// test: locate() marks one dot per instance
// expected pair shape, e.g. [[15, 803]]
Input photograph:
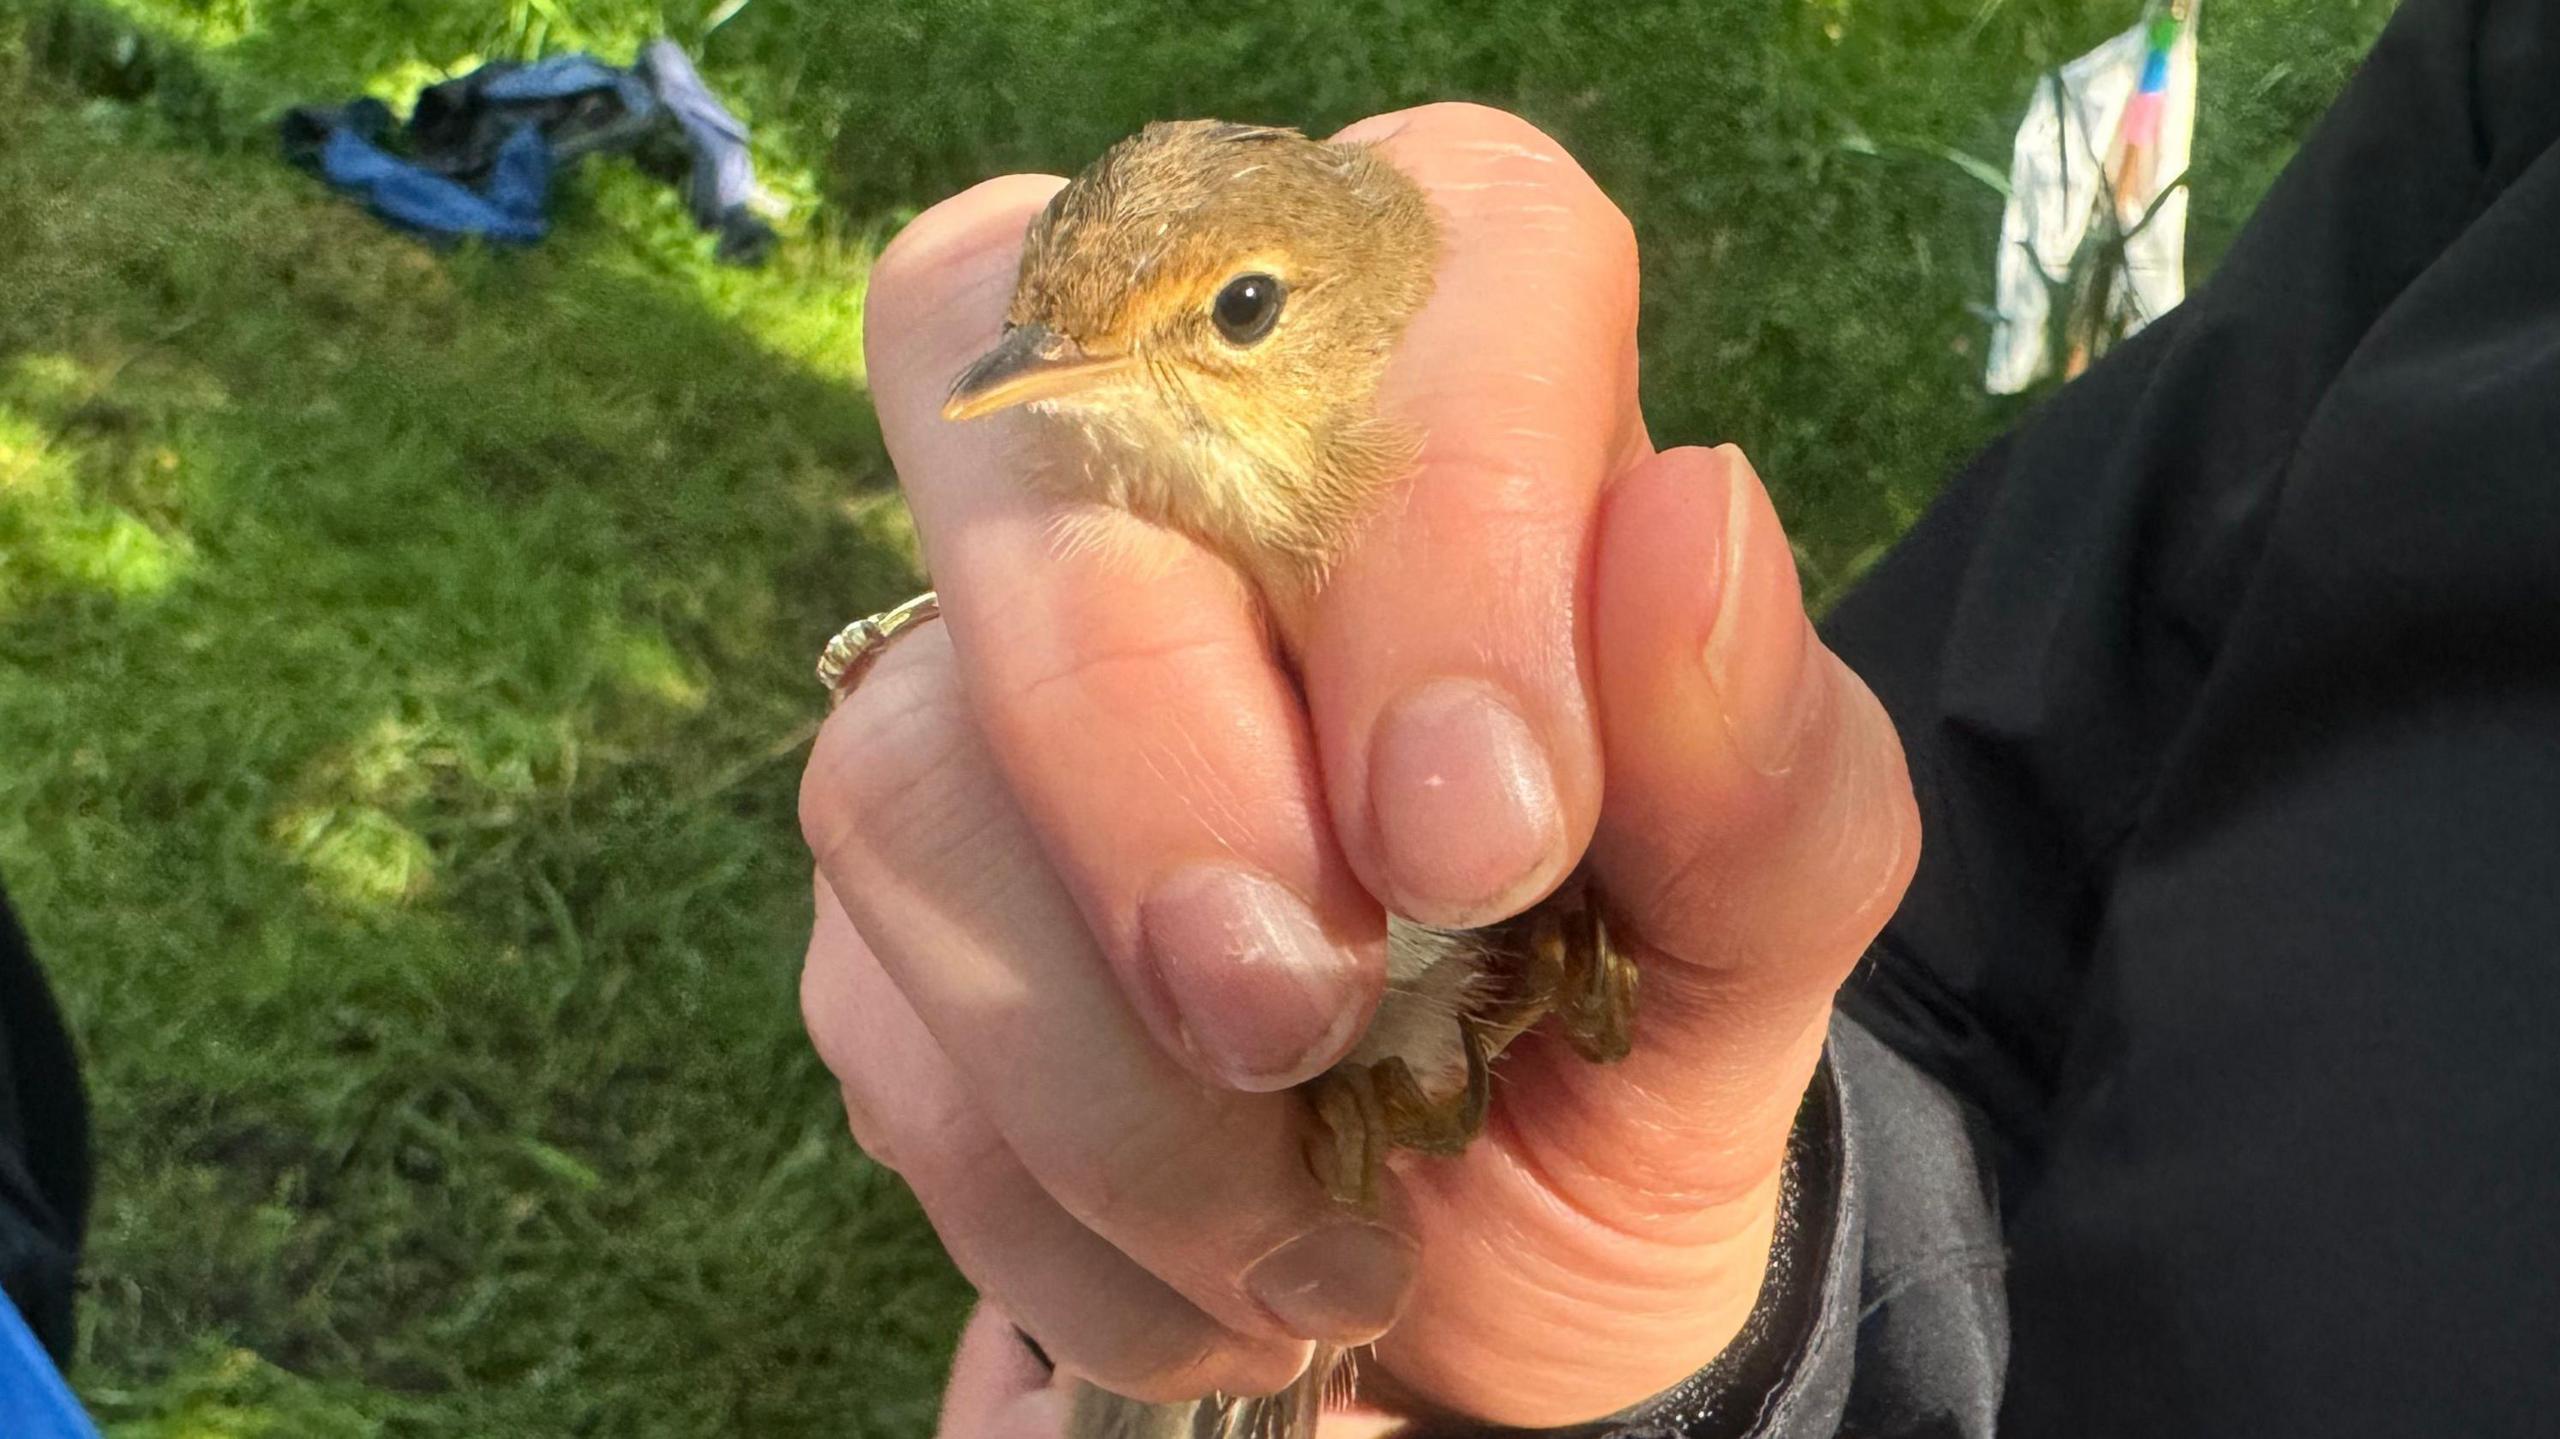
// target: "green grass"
[[403, 657]]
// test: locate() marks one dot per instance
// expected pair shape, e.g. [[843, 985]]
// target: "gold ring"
[[851, 653]]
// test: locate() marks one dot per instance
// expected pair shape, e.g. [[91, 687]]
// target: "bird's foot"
[[1367, 1109], [1567, 968], [1595, 1002]]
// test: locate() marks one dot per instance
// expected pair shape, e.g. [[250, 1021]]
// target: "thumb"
[[1759, 830]]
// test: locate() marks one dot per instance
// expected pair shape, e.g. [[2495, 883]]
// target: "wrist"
[[1640, 1320], [1698, 1329]]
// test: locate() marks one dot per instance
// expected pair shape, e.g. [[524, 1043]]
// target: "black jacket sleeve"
[[44, 1147], [2202, 1057]]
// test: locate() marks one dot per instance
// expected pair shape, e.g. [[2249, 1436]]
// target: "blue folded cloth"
[[507, 207], [477, 153]]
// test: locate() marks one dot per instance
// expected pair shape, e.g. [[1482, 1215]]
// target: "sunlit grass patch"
[[55, 538]]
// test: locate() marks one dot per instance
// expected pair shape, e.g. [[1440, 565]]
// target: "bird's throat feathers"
[[1275, 499]]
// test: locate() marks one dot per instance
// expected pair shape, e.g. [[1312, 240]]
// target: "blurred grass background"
[[403, 657]]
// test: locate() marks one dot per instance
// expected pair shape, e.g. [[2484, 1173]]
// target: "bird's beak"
[[1032, 362]]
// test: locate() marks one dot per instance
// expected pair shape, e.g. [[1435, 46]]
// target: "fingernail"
[[1339, 1285], [1755, 650], [1466, 804], [1262, 998]]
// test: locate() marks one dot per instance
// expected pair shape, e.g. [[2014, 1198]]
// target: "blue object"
[[723, 178], [2155, 72], [507, 207], [34, 1402], [462, 165]]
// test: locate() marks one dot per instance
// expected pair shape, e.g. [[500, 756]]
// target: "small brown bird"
[[1202, 319]]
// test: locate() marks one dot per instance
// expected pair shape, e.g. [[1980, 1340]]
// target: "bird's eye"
[[1247, 308]]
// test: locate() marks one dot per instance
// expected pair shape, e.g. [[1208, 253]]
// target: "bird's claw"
[[1367, 1109], [1566, 968], [1595, 1005]]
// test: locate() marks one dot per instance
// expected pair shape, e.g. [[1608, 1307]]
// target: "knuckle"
[[1127, 1183], [1492, 118], [1155, 664], [950, 245], [918, 250], [1113, 656], [1614, 241], [947, 1152], [927, 1133], [1798, 871], [886, 753], [1515, 141], [821, 1017], [1103, 1186], [1887, 811], [1511, 493], [1686, 913], [1488, 124], [869, 1135], [1853, 838], [1115, 1325]]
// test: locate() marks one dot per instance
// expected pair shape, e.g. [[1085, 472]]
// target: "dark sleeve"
[[2044, 636], [2048, 640], [44, 1147]]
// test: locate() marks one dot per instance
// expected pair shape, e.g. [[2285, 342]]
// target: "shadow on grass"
[[404, 662]]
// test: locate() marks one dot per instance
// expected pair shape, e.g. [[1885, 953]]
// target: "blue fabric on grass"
[[508, 206], [723, 177], [34, 1402], [457, 167]]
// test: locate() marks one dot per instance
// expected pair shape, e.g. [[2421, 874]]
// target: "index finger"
[[1129, 695], [1446, 662]]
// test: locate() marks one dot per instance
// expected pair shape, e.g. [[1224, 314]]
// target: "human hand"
[[1096, 878]]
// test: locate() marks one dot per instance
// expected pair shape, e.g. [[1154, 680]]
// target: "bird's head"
[[1210, 307]]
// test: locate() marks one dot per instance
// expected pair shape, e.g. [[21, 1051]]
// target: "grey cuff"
[[1883, 1312]]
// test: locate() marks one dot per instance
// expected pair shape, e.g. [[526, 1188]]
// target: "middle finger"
[[1447, 662]]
